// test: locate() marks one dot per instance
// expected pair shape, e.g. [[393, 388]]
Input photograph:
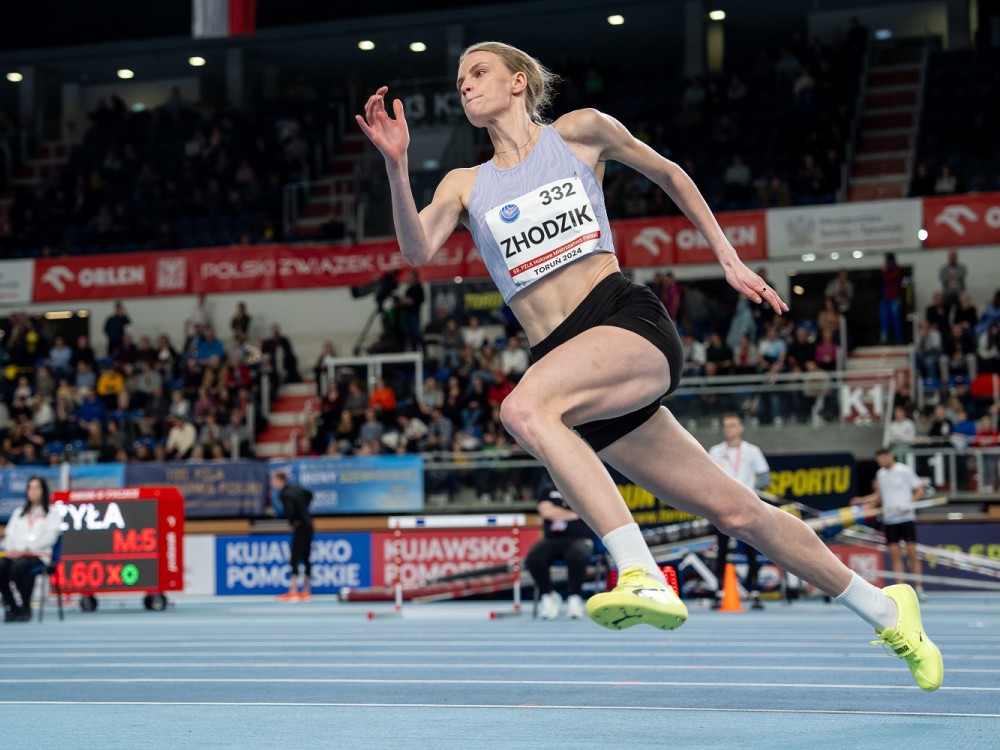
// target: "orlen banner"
[[429, 554], [259, 564], [673, 240], [110, 276], [956, 220]]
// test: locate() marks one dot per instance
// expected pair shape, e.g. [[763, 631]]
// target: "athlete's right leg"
[[666, 460]]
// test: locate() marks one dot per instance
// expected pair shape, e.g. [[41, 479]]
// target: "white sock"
[[869, 603], [628, 549]]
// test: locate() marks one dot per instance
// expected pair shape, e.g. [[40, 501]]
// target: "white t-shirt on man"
[[744, 462], [895, 487]]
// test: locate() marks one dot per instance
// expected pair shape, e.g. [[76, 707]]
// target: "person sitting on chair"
[[32, 532], [566, 538]]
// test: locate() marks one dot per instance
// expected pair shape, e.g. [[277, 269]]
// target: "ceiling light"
[[196, 61], [126, 73], [616, 20], [15, 77], [418, 47], [922, 235], [857, 254], [808, 257], [366, 45], [800, 290], [717, 15]]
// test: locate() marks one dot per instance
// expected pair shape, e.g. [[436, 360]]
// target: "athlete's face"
[[486, 86]]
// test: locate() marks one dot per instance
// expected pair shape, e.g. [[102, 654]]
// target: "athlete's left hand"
[[745, 281]]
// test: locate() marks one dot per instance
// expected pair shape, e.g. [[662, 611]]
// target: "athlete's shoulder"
[[583, 125]]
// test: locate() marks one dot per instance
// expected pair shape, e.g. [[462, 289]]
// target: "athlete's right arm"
[[420, 234]]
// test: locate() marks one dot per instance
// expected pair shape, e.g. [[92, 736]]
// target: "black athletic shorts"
[[900, 532], [618, 302]]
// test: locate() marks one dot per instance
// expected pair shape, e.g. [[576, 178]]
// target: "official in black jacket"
[[295, 501]]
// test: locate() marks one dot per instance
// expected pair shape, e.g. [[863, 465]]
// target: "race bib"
[[543, 230]]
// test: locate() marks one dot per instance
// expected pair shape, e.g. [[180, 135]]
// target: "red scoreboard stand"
[[127, 540]]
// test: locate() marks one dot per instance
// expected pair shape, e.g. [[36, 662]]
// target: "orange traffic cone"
[[731, 591]]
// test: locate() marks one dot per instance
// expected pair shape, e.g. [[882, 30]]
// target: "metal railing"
[[337, 195], [373, 365], [966, 472]]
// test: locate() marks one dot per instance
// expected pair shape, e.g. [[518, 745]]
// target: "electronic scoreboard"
[[121, 541]]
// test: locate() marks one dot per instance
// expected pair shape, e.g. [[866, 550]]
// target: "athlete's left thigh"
[[601, 373]]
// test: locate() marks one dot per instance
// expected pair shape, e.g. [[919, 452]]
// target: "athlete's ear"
[[520, 82]]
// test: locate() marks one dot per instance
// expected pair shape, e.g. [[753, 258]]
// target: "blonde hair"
[[541, 80]]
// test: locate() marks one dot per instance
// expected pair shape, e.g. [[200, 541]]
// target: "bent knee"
[[526, 418], [743, 517]]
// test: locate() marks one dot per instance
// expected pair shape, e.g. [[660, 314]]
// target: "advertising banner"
[[259, 564], [96, 476], [981, 539], [673, 240], [16, 282], [110, 276], [824, 481], [428, 554], [879, 225], [365, 484], [957, 220], [210, 489]]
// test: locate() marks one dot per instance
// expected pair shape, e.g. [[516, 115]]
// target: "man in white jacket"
[[31, 534]]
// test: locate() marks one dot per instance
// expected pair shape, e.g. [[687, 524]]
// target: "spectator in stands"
[[29, 538], [208, 345], [323, 371], [83, 352], [946, 183], [181, 438], [514, 359], [987, 437], [499, 389], [411, 306], [356, 400], [991, 315], [475, 405], [719, 353], [937, 314], [489, 360], [802, 348], [201, 316], [433, 397], [959, 354], [440, 432], [952, 278], [60, 358], [890, 301], [239, 324], [565, 537], [670, 295], [902, 430], [695, 355], [745, 359], [808, 183], [346, 432], [382, 398], [817, 392], [698, 312], [841, 290], [963, 312], [473, 334], [114, 327], [922, 183], [180, 407], [988, 350], [90, 411], [110, 383], [283, 358], [827, 351], [775, 193], [450, 344], [929, 348], [742, 324], [738, 182]]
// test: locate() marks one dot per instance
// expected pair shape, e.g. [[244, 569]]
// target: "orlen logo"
[[957, 216], [57, 276], [509, 213]]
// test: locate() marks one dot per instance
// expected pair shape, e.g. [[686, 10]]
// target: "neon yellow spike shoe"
[[637, 599], [909, 641]]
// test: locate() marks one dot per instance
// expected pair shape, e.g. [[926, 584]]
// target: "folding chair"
[[49, 573]]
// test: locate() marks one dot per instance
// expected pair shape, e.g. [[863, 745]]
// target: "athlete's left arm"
[[612, 140]]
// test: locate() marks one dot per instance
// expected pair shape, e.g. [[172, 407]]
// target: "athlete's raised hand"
[[745, 281], [390, 136]]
